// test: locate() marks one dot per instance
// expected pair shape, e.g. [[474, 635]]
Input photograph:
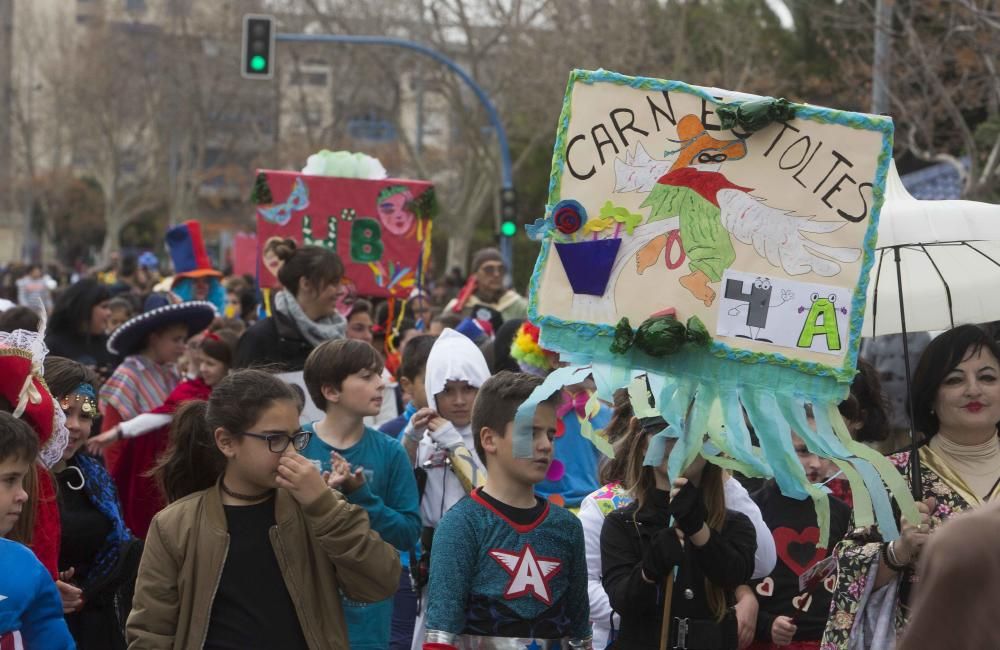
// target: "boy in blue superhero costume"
[[517, 574]]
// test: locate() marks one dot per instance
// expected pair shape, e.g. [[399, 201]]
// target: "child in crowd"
[[440, 438], [259, 559], [789, 617], [31, 613], [507, 563], [217, 350], [344, 379], [151, 344], [121, 311], [683, 531], [98, 555], [411, 378], [614, 494]]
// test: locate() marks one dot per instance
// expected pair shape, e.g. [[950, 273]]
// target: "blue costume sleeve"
[[42, 624], [578, 597], [397, 517], [453, 556]]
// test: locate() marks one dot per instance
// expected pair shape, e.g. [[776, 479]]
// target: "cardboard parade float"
[[716, 245], [379, 226]]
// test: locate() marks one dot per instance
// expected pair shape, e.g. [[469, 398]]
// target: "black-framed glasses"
[[277, 441]]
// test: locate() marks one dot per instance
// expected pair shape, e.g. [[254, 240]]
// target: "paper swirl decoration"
[[568, 216]]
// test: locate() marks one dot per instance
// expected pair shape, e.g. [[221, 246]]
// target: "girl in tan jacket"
[[256, 546]]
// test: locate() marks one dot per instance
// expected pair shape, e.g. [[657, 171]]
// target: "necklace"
[[245, 497], [69, 483]]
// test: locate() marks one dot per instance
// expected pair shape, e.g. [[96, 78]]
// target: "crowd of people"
[[162, 486]]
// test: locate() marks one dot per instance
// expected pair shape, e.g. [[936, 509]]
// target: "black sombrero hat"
[[196, 314]]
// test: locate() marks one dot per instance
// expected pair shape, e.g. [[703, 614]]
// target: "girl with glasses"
[[256, 548]]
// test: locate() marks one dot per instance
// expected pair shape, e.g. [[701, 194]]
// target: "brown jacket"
[[322, 549]]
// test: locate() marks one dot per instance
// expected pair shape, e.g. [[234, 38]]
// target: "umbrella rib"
[[878, 274], [947, 289], [996, 263]]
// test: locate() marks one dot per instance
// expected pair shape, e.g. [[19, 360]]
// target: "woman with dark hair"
[[97, 552], [304, 313], [956, 401], [78, 325]]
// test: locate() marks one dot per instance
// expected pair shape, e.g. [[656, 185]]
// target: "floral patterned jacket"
[[857, 556]]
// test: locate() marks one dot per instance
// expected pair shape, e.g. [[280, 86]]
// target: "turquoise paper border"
[[602, 335]]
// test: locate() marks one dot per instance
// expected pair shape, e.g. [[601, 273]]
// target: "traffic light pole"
[[506, 169]]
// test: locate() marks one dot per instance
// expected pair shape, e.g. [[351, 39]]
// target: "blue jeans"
[[404, 614]]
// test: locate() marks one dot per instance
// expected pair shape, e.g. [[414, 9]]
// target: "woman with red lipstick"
[[956, 403]]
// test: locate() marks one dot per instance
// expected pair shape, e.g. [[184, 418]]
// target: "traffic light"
[[258, 47], [508, 212]]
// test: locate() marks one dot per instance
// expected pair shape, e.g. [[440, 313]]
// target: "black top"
[[91, 351], [727, 560], [252, 608], [793, 524], [84, 528], [520, 516], [273, 341]]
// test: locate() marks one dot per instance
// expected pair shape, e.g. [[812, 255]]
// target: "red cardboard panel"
[[370, 224]]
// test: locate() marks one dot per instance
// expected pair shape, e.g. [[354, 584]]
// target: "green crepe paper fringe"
[[755, 114], [261, 193]]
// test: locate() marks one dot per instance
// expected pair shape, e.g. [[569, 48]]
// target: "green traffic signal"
[[508, 229], [258, 63]]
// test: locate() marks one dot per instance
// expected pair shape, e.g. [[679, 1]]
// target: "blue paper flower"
[[538, 230]]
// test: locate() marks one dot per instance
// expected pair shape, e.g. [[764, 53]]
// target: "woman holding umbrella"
[[956, 405]]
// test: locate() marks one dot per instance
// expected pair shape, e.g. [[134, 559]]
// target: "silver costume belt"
[[471, 642]]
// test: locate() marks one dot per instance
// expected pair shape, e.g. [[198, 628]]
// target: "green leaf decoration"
[[660, 336], [623, 337], [261, 193], [672, 201], [629, 219], [697, 333], [756, 114], [424, 206]]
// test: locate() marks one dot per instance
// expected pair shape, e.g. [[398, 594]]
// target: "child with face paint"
[[440, 436]]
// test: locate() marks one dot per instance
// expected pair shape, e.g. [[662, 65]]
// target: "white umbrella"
[[937, 264], [948, 256]]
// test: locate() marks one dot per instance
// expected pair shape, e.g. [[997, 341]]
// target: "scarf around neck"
[[315, 332]]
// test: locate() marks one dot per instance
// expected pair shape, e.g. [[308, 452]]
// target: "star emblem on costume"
[[528, 573]]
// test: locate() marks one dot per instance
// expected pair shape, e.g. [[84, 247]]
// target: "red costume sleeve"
[[110, 419], [47, 530]]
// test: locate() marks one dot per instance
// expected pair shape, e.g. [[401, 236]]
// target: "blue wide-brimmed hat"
[[131, 336]]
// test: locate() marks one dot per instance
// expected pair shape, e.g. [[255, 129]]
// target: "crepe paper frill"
[[528, 354], [755, 114], [344, 164]]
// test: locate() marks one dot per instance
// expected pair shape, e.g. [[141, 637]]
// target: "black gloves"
[[664, 553], [688, 509]]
